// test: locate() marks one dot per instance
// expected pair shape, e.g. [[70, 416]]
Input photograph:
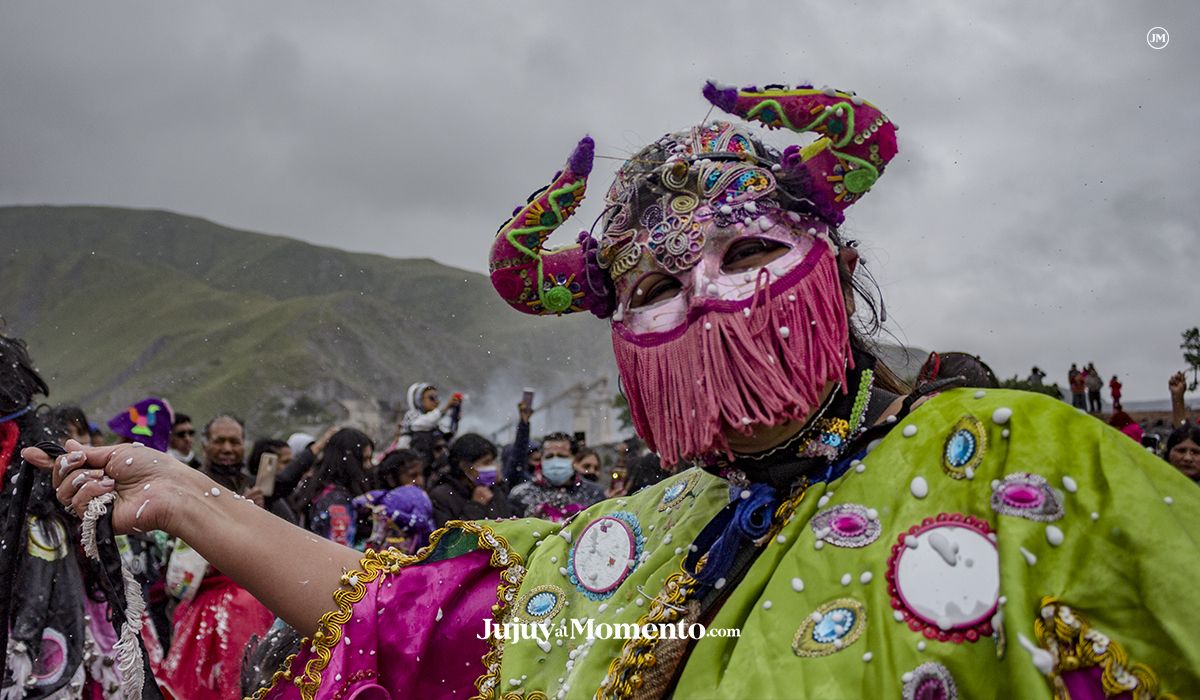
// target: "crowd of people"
[[864, 537], [335, 485]]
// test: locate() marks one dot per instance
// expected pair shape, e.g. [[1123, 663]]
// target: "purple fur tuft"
[[599, 286], [580, 161], [723, 97]]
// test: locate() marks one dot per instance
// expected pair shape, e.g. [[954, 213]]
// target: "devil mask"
[[717, 264]]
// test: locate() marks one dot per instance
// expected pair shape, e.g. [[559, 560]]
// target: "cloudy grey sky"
[[1043, 208]]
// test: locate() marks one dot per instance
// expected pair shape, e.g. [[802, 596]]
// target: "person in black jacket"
[[466, 489]]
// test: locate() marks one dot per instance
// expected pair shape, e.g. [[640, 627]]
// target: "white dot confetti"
[[910, 430], [919, 487], [1001, 415]]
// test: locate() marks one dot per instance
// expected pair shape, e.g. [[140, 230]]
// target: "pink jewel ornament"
[[846, 525], [1029, 496]]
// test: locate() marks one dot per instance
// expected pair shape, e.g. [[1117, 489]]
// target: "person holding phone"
[[954, 542], [556, 490], [268, 458]]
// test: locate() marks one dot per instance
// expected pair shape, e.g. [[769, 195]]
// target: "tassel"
[[128, 648], [729, 369]]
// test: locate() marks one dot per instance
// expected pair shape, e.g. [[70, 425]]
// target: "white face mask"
[[557, 470]]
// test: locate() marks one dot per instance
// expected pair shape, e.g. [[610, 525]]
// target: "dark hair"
[[944, 365], [395, 467], [469, 448], [181, 418], [22, 382], [560, 437], [208, 426], [59, 417], [341, 464], [587, 452], [261, 447], [1191, 431], [645, 471]]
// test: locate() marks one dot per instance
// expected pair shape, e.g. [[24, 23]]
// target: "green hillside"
[[120, 303]]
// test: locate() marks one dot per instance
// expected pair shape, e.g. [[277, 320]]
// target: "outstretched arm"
[[1177, 386], [290, 570]]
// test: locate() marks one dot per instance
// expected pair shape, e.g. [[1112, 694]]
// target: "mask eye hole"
[[751, 253], [654, 288]]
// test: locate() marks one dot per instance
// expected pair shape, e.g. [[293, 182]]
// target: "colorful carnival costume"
[[976, 544]]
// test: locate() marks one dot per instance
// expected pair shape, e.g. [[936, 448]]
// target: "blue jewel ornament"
[[964, 448], [961, 448], [541, 603], [835, 624]]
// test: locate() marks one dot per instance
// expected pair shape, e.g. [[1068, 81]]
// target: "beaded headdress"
[[856, 142]]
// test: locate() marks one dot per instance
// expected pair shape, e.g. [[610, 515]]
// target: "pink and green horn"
[[857, 142], [530, 277]]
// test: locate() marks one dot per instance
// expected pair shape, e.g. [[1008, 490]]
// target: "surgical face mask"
[[485, 475], [557, 470]]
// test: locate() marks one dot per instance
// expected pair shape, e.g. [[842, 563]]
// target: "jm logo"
[[1158, 38]]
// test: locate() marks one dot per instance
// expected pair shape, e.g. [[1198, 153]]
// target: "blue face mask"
[[557, 470]]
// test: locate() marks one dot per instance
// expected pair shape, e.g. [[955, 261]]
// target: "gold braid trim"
[[1076, 645], [390, 561], [533, 695], [625, 673]]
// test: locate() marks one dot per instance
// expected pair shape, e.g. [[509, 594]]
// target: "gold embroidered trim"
[[533, 695], [1075, 645], [637, 655], [389, 561], [625, 672]]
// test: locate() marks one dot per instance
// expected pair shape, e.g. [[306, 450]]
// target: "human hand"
[[1177, 385], [255, 494], [455, 400], [147, 482], [482, 495], [525, 411], [319, 446]]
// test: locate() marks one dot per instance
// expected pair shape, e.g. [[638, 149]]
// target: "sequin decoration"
[[929, 681], [1029, 496], [677, 243], [540, 603], [676, 492], [605, 553], [944, 578], [830, 628], [964, 447], [846, 525], [831, 436]]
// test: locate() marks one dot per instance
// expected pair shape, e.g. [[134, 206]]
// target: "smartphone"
[[580, 438], [267, 465], [527, 397], [1151, 441]]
